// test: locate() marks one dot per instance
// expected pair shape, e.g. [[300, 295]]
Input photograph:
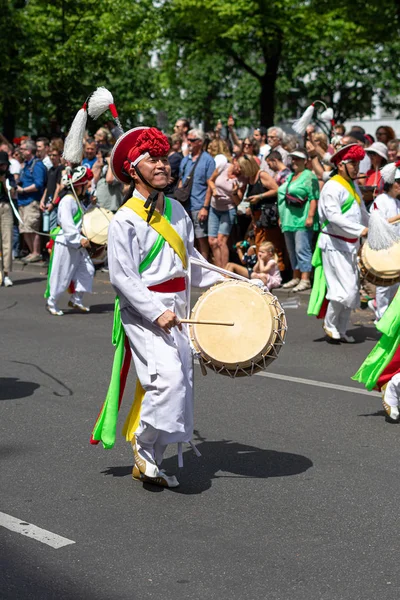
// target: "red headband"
[[150, 141], [352, 152]]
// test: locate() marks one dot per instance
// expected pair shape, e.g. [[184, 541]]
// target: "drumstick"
[[193, 322], [210, 267]]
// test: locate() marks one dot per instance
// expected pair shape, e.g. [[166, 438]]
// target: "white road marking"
[[36, 533], [323, 384]]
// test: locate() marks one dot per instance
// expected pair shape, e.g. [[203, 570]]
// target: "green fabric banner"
[[106, 424], [383, 352]]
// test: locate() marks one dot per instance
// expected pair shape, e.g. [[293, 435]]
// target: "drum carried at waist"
[[95, 223], [380, 267], [254, 340]]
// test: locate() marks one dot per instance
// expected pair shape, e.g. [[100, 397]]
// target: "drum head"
[[382, 262], [95, 224], [245, 305]]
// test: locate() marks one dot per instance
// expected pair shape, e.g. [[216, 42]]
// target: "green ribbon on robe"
[[106, 424], [383, 352], [319, 288], [53, 234], [105, 427]]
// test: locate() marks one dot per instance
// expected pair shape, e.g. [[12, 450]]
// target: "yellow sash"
[[161, 225], [351, 189]]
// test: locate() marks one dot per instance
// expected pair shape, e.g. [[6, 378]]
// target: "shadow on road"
[[225, 459], [31, 280], [102, 308], [12, 388], [360, 334]]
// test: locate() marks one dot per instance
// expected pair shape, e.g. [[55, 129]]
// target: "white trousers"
[[342, 280], [392, 391], [383, 297], [70, 264], [337, 318], [164, 366]]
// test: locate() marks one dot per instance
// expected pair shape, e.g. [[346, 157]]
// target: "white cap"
[[378, 148]]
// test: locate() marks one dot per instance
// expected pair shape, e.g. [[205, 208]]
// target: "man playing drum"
[[69, 261], [343, 219], [150, 242]]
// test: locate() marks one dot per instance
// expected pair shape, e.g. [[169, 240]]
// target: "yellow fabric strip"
[[133, 418], [161, 225], [348, 186]]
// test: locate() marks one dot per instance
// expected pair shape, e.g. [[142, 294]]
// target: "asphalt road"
[[295, 496]]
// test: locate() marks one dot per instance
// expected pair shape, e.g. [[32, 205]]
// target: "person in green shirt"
[[297, 206]]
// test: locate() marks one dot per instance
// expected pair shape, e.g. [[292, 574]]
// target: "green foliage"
[[204, 59]]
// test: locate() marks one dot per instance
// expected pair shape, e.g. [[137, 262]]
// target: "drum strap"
[[53, 234], [160, 224], [317, 302]]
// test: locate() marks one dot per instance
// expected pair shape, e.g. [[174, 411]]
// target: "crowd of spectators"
[[31, 187], [267, 185], [263, 187]]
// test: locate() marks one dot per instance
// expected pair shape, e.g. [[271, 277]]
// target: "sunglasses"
[[193, 140]]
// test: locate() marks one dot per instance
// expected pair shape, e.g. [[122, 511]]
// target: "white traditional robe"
[[339, 257], [163, 362], [71, 262], [388, 207]]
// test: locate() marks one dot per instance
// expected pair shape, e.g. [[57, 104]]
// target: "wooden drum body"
[[254, 340], [95, 223], [380, 267]]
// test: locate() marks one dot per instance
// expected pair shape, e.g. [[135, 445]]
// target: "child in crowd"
[[266, 268], [246, 251]]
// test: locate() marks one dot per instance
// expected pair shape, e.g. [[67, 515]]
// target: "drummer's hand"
[[168, 320], [364, 232], [85, 243]]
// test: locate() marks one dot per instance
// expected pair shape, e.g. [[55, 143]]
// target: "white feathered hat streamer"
[[388, 172], [300, 125], [100, 101], [381, 234], [73, 146]]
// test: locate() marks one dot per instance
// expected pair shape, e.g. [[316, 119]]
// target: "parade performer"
[[388, 206], [343, 219], [69, 260], [150, 242], [381, 368]]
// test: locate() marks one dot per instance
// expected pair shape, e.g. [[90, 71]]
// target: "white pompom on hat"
[[391, 172], [100, 101], [73, 146]]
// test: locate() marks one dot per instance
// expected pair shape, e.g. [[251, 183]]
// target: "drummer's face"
[[351, 168], [396, 188], [156, 170]]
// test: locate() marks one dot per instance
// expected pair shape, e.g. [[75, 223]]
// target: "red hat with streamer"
[[135, 145], [349, 152]]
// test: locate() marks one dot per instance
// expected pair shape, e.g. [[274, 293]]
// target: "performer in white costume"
[[150, 274], [388, 205], [70, 261], [343, 219]]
